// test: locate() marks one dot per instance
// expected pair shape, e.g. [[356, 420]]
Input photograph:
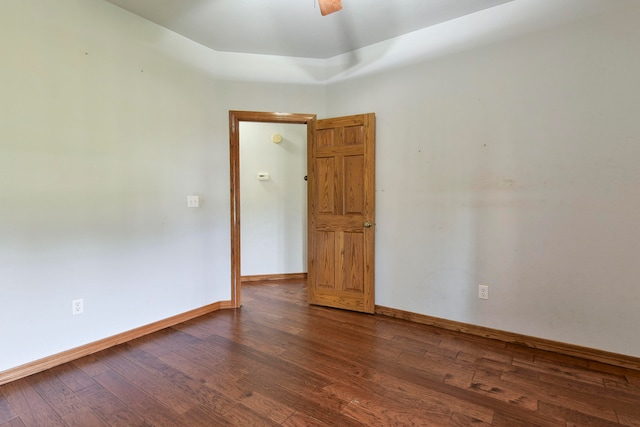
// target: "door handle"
[[367, 224]]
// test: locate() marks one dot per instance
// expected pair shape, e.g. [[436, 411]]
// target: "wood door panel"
[[327, 185], [353, 135], [339, 300], [342, 122], [340, 261], [353, 263], [325, 271], [341, 200], [348, 224], [325, 138], [353, 185], [349, 150]]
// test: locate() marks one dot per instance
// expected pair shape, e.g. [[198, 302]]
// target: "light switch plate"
[[263, 176]]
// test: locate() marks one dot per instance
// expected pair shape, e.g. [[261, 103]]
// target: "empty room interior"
[[167, 255]]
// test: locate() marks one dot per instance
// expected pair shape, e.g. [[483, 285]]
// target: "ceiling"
[[295, 27]]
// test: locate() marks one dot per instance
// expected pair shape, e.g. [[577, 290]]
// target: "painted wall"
[[273, 213], [513, 165], [106, 127]]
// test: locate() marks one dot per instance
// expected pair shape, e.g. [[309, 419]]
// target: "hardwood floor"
[[277, 361]]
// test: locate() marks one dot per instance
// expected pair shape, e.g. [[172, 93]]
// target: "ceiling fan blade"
[[329, 6]]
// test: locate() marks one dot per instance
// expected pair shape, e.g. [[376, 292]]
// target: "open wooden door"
[[341, 207]]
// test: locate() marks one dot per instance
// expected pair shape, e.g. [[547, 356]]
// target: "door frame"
[[235, 117]]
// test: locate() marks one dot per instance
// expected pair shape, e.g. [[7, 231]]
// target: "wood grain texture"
[[341, 185], [280, 362], [327, 187], [273, 277], [354, 185]]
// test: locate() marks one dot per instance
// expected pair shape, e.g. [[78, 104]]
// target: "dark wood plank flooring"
[[277, 361]]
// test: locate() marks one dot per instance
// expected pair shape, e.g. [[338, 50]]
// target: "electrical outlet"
[[77, 306], [483, 292]]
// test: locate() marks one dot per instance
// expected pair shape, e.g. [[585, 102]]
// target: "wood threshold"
[[273, 277], [595, 355], [103, 344]]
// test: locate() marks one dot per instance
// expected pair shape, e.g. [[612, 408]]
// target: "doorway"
[[273, 201], [235, 118]]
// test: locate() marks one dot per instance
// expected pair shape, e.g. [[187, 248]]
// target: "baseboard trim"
[[273, 277], [591, 354], [601, 356], [87, 349]]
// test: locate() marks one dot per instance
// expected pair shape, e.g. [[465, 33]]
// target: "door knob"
[[367, 224]]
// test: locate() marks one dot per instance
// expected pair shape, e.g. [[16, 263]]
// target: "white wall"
[[273, 213], [513, 165], [106, 127]]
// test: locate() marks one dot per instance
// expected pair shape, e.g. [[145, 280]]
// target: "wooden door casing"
[[341, 168], [235, 117]]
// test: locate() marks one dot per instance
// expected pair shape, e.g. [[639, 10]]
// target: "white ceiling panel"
[[296, 27]]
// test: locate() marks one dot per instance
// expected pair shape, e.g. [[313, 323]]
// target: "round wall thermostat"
[[276, 138]]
